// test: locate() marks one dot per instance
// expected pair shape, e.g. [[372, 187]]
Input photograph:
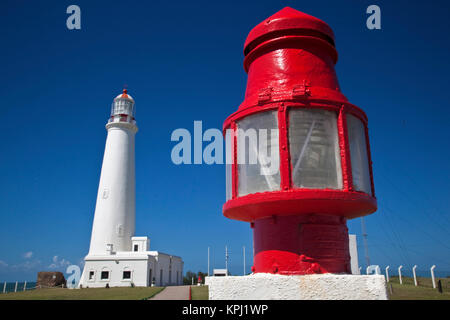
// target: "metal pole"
[[253, 248], [432, 276], [414, 274], [400, 274], [15, 288], [387, 274], [364, 234], [226, 260], [208, 261], [25, 286], [244, 260], [4, 287]]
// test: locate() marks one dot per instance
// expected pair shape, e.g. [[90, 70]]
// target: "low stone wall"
[[264, 286]]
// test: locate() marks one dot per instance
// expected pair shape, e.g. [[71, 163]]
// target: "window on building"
[[136, 247], [104, 275], [126, 275], [161, 277], [91, 275]]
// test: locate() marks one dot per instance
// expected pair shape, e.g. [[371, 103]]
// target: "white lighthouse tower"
[[114, 219], [116, 257]]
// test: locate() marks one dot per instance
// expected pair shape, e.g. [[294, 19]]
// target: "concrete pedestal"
[[265, 286]]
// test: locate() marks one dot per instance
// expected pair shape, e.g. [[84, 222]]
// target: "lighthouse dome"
[[124, 95]]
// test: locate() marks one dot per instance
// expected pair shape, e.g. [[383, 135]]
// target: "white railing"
[[23, 286], [374, 269]]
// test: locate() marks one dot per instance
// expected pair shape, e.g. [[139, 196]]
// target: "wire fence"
[[8, 287], [407, 272]]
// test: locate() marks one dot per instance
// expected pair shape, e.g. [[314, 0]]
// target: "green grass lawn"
[[406, 291], [136, 293], [199, 293], [424, 290]]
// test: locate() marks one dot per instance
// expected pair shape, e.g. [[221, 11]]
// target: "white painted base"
[[265, 286]]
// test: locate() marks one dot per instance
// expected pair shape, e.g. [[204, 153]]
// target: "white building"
[[353, 248], [116, 257], [220, 272]]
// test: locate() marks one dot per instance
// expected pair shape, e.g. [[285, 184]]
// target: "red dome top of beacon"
[[288, 21]]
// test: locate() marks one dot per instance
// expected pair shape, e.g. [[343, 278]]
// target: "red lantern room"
[[315, 137]]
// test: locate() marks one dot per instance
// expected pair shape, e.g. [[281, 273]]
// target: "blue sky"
[[182, 61]]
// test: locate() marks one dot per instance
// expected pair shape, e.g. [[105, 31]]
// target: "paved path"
[[173, 293]]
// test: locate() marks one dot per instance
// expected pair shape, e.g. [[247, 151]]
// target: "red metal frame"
[[290, 61], [285, 166], [346, 165]]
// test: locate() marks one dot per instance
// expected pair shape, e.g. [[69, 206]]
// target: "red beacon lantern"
[[298, 213]]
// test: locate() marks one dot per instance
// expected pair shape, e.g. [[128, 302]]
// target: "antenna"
[[364, 234], [244, 259], [226, 259], [208, 261]]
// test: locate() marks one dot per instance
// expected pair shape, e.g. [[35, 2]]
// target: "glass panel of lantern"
[[228, 164], [228, 169], [127, 107], [122, 106], [130, 108], [258, 153], [314, 149], [115, 108], [358, 154], [118, 107]]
